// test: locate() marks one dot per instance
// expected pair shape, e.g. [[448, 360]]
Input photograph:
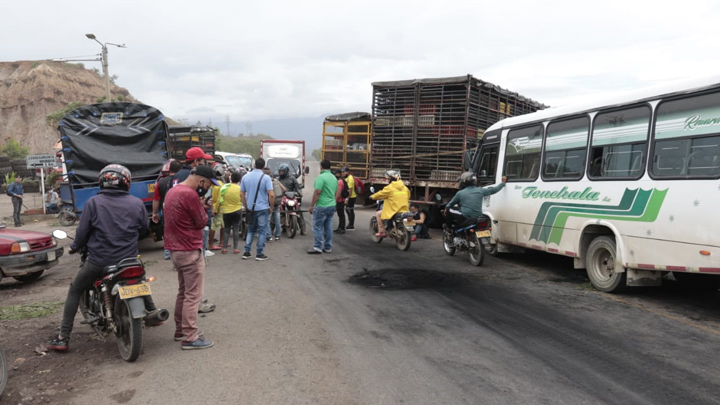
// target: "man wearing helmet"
[[396, 197], [470, 197], [291, 184], [109, 226]]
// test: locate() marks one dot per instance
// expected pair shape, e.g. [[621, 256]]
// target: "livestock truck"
[[428, 130], [276, 152]]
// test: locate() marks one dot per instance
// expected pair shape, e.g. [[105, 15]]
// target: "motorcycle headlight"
[[291, 203]]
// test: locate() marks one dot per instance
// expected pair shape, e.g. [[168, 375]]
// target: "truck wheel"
[[27, 278], [600, 262]]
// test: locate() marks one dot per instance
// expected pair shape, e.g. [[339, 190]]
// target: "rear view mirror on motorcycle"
[[438, 197], [372, 189], [59, 234]]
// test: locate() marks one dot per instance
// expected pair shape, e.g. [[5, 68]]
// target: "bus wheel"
[[600, 262]]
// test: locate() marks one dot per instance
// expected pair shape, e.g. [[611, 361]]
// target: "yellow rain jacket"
[[397, 199]]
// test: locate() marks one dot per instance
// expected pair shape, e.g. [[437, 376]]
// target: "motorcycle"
[[400, 227], [289, 208], [116, 303], [471, 236]]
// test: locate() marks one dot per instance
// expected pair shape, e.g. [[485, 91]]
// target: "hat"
[[196, 153], [205, 171], [346, 169]]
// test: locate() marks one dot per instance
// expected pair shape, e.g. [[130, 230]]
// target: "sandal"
[[236, 251], [224, 251], [214, 248]]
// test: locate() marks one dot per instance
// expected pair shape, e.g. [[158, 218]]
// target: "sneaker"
[[339, 230], [277, 239], [199, 343], [314, 252], [327, 250], [178, 336], [59, 343], [204, 308], [269, 239], [167, 257], [350, 228], [261, 257], [247, 255], [413, 238], [209, 253]]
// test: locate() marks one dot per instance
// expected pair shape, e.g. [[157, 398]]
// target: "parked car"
[[25, 255]]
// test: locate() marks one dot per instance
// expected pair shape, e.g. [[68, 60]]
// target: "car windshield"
[[294, 164], [237, 161]]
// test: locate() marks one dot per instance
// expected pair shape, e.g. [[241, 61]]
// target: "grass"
[[38, 310]]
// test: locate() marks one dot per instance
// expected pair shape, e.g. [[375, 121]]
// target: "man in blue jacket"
[[15, 191]]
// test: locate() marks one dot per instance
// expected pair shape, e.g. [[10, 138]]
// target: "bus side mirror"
[[372, 189], [307, 169]]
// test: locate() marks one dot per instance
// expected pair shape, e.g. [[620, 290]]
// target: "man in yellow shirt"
[[396, 199], [350, 204]]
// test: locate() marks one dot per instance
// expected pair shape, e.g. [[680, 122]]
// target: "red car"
[[25, 255]]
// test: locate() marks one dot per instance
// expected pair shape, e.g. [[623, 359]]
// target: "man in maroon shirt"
[[185, 218]]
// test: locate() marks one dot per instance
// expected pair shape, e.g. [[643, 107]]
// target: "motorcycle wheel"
[[293, 226], [129, 331], [3, 371], [448, 243], [66, 219], [402, 239], [475, 254], [374, 230]]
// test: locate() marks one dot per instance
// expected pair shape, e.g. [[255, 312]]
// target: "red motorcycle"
[[289, 208]]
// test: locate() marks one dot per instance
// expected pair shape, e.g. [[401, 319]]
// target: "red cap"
[[196, 153]]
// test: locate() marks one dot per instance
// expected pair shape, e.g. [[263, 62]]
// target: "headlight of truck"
[[20, 247]]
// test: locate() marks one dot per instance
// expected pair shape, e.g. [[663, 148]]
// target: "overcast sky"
[[260, 60]]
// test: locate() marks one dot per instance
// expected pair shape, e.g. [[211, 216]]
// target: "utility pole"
[[227, 124], [106, 70]]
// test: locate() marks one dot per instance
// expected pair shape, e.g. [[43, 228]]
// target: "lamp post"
[[105, 63]]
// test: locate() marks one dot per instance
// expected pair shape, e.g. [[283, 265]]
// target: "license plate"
[[409, 222], [483, 234], [135, 290], [51, 256]]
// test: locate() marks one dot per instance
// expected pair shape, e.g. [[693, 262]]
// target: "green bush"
[[13, 149]]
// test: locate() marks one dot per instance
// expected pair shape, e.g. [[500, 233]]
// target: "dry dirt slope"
[[30, 90]]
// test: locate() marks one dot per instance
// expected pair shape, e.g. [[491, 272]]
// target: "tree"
[[13, 149], [245, 144], [54, 119]]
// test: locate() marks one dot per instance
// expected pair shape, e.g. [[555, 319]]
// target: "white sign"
[[284, 151], [111, 118], [38, 161]]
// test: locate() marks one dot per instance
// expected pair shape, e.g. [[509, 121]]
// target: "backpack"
[[9, 192], [359, 186], [345, 193]]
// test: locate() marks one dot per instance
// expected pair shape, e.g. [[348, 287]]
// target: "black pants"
[[232, 221], [83, 281], [350, 208], [17, 206], [340, 209], [453, 218]]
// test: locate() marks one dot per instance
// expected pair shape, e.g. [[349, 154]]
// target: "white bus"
[[628, 187]]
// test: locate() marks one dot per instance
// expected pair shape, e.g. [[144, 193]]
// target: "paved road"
[[417, 327]]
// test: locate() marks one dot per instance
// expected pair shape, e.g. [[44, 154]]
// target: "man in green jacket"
[[470, 199]]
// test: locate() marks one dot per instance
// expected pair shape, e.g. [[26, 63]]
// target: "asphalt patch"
[[406, 279]]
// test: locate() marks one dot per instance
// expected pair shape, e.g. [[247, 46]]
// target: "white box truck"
[[276, 152]]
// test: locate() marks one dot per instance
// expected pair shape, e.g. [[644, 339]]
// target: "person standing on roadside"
[[217, 224], [278, 190], [340, 197], [322, 209], [256, 190], [185, 219], [352, 197], [15, 191], [161, 189], [231, 210]]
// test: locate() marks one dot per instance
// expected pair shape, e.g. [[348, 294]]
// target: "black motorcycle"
[[470, 236], [116, 303], [400, 227]]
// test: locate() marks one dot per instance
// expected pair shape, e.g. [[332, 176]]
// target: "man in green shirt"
[[322, 209], [470, 199]]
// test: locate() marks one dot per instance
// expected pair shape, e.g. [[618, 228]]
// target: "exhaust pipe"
[[156, 317]]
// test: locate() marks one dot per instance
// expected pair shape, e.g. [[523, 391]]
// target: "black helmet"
[[115, 176], [283, 168], [467, 179]]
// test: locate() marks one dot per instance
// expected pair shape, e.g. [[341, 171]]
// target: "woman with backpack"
[[231, 210]]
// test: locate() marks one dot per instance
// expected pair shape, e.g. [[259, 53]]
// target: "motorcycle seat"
[[123, 264]]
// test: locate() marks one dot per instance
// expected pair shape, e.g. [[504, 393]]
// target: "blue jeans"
[[278, 225], [322, 227], [259, 226], [52, 208]]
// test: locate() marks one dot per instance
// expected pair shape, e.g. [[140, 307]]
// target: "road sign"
[[38, 161]]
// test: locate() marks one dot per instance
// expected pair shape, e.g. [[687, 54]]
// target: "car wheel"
[[29, 277]]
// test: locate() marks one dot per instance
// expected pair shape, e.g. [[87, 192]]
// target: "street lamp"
[[105, 62]]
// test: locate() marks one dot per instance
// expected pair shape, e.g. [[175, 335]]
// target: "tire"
[[491, 249], [293, 226], [129, 331], [374, 230], [28, 278], [403, 239], [448, 243], [3, 371], [65, 219], [476, 255], [600, 263]]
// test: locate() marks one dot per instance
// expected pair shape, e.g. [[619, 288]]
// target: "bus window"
[[687, 138], [619, 142], [565, 149], [522, 155]]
